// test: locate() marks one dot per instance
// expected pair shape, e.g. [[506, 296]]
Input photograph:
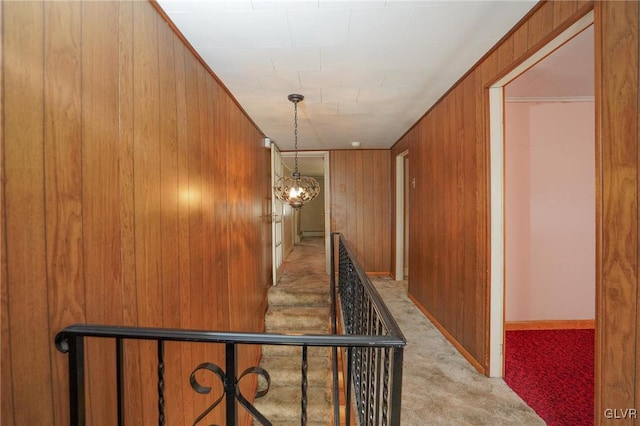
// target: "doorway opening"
[[315, 221], [402, 222], [497, 192]]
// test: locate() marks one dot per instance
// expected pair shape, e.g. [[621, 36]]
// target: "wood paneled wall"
[[361, 204], [134, 191], [449, 217], [617, 255]]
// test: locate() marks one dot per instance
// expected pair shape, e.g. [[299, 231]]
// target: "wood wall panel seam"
[[6, 370], [63, 187], [24, 176], [637, 136]]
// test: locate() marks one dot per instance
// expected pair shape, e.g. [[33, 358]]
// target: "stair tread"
[[294, 361], [283, 350], [283, 403], [306, 311], [304, 320], [297, 299], [297, 288], [287, 371]]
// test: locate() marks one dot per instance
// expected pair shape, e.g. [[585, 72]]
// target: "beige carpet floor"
[[439, 386]]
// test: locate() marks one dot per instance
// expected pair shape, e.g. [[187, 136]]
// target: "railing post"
[[161, 414], [347, 412], [396, 387], [304, 385], [76, 380], [120, 380], [230, 384], [334, 330]]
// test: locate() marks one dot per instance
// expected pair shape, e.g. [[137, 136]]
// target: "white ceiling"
[[565, 75], [368, 69]]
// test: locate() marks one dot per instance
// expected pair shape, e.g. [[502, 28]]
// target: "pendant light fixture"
[[296, 190]]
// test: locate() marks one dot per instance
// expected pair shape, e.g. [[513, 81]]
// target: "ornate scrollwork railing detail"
[[218, 372], [259, 394], [227, 385]]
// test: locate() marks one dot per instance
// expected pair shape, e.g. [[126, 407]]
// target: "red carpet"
[[552, 371]]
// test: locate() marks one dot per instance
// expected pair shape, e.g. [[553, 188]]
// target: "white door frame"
[[399, 273], [327, 199], [277, 253], [496, 205]]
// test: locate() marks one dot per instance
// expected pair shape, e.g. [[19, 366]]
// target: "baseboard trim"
[[449, 337], [306, 234], [379, 274], [550, 325]]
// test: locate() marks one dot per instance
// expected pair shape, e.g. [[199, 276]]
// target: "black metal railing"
[[375, 372], [373, 345]]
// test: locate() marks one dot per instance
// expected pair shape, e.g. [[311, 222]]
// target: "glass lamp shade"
[[296, 190]]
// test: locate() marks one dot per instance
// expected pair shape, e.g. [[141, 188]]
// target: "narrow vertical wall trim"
[[496, 209], [400, 222], [599, 331], [637, 336], [44, 192]]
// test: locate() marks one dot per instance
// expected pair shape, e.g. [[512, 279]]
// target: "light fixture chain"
[[295, 133]]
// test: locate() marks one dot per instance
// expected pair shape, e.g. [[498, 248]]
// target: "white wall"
[[549, 211], [312, 214]]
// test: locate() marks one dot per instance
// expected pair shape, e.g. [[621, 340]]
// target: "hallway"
[[439, 386]]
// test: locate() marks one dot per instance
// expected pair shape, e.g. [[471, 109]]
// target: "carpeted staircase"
[[299, 304]]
